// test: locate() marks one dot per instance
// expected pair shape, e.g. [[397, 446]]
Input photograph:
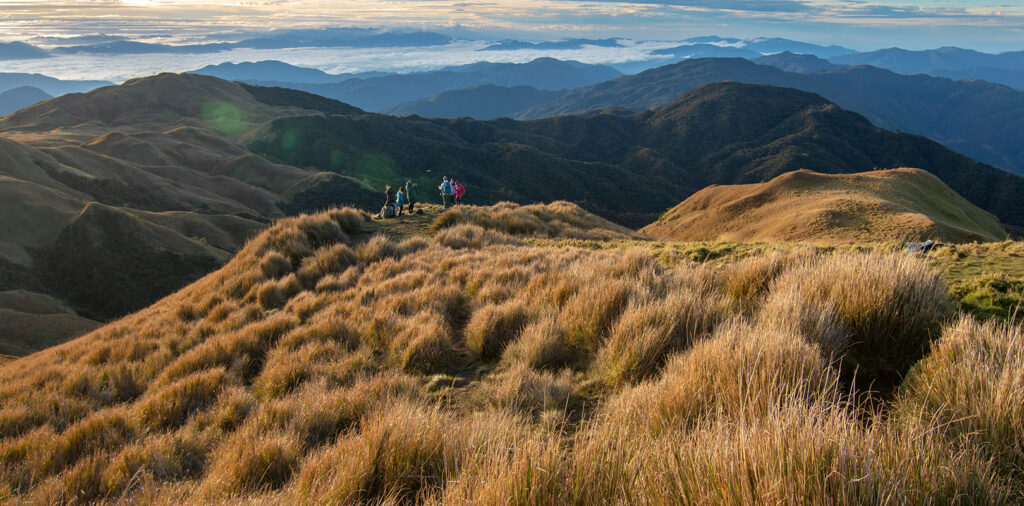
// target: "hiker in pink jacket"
[[460, 190]]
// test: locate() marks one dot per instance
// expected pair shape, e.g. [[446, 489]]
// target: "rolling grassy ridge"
[[525, 354]]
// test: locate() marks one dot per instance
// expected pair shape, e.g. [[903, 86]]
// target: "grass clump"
[[891, 306], [252, 463], [493, 326], [971, 386], [648, 331], [170, 406], [541, 345], [741, 371]]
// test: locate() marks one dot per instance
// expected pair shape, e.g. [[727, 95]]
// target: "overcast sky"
[[990, 25]]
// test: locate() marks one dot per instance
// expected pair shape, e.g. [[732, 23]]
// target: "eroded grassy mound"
[[326, 365], [884, 205]]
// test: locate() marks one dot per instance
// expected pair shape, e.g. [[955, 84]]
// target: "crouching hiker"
[[388, 211]]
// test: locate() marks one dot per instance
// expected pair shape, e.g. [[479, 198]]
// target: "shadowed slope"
[[978, 119], [900, 204]]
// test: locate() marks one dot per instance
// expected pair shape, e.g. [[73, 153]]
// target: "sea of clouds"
[[118, 68]]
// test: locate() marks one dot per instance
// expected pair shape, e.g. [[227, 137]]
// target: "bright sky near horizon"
[[991, 25]]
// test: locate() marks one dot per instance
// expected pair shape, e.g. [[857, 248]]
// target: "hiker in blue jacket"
[[400, 199], [446, 192]]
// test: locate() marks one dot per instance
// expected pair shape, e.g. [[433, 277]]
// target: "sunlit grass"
[[331, 362]]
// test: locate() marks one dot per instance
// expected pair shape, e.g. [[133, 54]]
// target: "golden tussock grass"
[[328, 365]]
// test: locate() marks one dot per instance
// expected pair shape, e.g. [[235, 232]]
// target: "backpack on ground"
[[389, 211]]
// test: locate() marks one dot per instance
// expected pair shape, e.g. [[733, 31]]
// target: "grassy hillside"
[[150, 184], [493, 361], [114, 198], [804, 206]]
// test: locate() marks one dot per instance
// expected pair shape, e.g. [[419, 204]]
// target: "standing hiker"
[[400, 199], [460, 190], [447, 192], [409, 195]]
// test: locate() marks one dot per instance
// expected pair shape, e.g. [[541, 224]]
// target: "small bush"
[[339, 282], [524, 389], [400, 451], [815, 320], [320, 229], [95, 433], [469, 236], [748, 280]]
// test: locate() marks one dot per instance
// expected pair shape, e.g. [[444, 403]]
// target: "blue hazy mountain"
[[953, 62], [720, 47], [792, 62], [269, 70], [771, 45], [50, 85], [133, 47], [20, 98], [344, 37], [1009, 77], [513, 44], [480, 102], [278, 39], [379, 93], [20, 51], [706, 51]]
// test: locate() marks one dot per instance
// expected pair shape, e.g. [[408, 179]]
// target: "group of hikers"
[[402, 197]]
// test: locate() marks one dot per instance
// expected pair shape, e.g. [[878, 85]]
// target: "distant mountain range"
[[953, 62], [48, 85], [276, 71], [20, 51], [19, 98], [375, 93], [979, 119], [512, 44], [481, 102], [794, 62], [127, 192]]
